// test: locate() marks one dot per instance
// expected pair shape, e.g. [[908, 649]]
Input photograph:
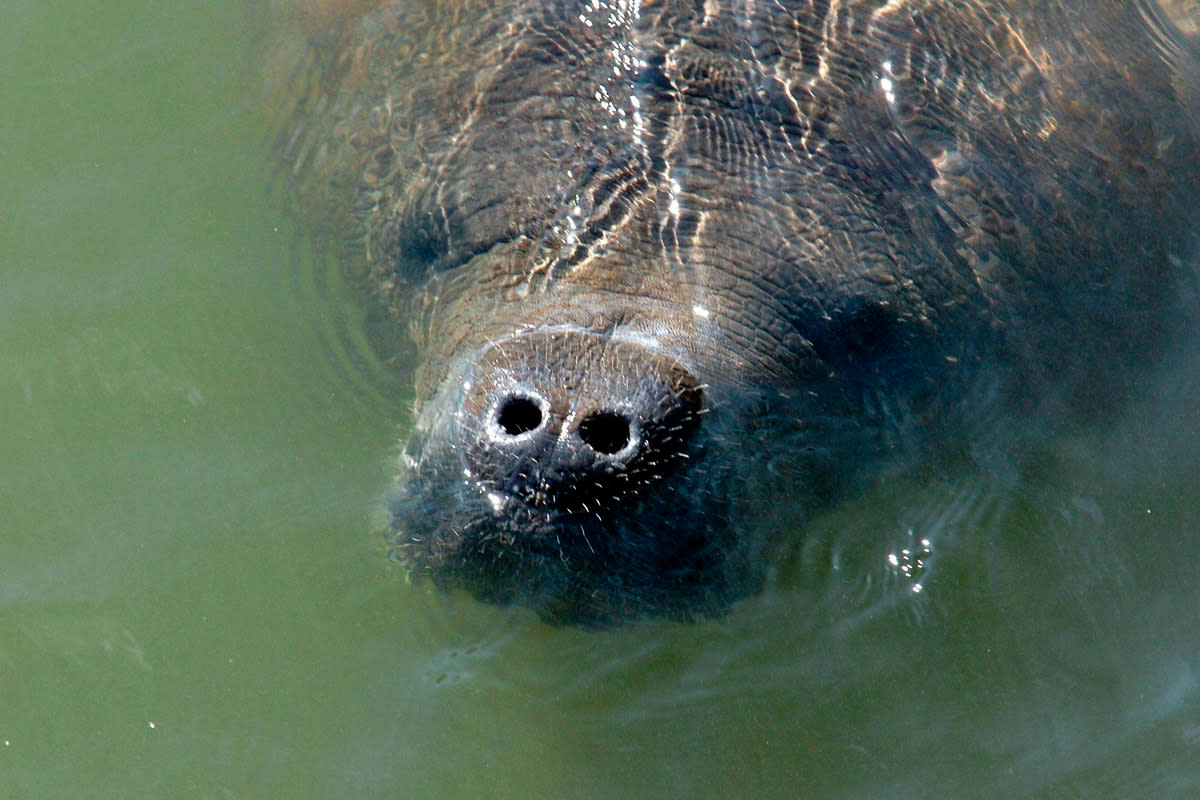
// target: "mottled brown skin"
[[679, 272]]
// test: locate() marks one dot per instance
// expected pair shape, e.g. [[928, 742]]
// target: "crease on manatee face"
[[679, 274]]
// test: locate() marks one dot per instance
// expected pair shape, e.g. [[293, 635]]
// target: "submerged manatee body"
[[680, 272]]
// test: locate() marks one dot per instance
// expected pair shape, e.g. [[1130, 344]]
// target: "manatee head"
[[677, 274]]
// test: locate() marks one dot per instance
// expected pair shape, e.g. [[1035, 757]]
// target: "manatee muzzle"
[[576, 422], [574, 472]]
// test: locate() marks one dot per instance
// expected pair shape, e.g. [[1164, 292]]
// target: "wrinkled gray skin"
[[680, 272]]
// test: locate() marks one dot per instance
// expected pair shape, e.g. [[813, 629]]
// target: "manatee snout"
[[572, 422], [566, 470]]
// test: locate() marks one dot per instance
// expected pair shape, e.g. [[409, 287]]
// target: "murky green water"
[[193, 603]]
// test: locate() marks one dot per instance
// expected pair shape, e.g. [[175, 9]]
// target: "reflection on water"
[[194, 439]]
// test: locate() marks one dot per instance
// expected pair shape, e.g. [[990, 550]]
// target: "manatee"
[[679, 274]]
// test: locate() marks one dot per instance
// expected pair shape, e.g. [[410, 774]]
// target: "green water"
[[185, 485], [194, 603]]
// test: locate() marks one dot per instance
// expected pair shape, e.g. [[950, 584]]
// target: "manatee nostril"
[[606, 432], [518, 415]]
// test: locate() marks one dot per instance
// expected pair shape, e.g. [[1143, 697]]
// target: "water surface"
[[194, 602]]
